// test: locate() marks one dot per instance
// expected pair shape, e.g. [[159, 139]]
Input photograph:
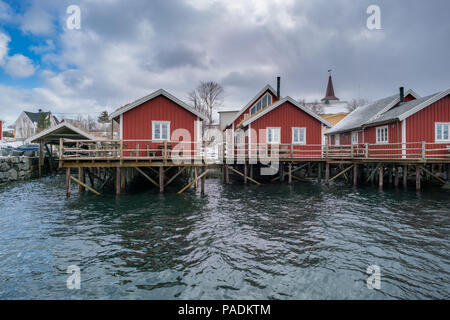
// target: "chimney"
[[402, 94], [278, 88]]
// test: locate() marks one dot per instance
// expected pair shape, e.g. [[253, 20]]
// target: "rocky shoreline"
[[18, 168]]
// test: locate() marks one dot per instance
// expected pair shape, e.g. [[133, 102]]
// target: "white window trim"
[[267, 135], [337, 140], [355, 134], [159, 123], [304, 135], [387, 134], [435, 132]]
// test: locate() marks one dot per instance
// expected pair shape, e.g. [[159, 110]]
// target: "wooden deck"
[[150, 153]]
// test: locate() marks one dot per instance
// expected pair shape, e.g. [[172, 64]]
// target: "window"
[[298, 135], [161, 130], [354, 137], [337, 140], [273, 135], [382, 134], [261, 103], [442, 131]]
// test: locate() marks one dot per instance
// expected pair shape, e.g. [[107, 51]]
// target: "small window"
[[253, 110], [273, 135], [161, 130], [442, 132], [337, 140], [299, 135], [261, 103], [382, 134], [354, 137]]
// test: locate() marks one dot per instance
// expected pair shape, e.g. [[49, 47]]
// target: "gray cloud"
[[126, 49]]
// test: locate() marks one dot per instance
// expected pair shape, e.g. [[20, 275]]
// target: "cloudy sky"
[[127, 49]]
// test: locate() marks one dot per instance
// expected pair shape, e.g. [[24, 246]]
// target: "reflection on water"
[[275, 241]]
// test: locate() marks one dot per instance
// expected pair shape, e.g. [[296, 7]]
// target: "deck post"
[[245, 172], [195, 177], [380, 177], [355, 175], [227, 174], [290, 173], [41, 158], [202, 184], [327, 173], [81, 178], [418, 171], [396, 177], [281, 168], [68, 182], [161, 179], [118, 176], [251, 171], [123, 179], [405, 176], [319, 173]]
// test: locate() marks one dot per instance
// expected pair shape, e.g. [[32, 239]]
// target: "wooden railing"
[[124, 150]]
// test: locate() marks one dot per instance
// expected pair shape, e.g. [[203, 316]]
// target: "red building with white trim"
[[404, 126], [155, 120]]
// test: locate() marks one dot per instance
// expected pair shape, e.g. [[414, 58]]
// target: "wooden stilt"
[[161, 179], [41, 158], [251, 171], [227, 174], [203, 180], [319, 173], [85, 186], [123, 179], [192, 182], [68, 182], [241, 174], [147, 176], [195, 177], [396, 177], [355, 175], [380, 177], [245, 173], [405, 176], [81, 188], [118, 176], [327, 173], [290, 173], [281, 166], [418, 172], [341, 173]]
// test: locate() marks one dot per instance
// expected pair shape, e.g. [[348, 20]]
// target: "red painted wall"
[[287, 116], [137, 123], [421, 126], [241, 117], [391, 150]]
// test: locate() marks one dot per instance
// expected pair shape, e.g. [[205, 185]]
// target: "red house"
[[269, 121], [156, 122], [401, 126]]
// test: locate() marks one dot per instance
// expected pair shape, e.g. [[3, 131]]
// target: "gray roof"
[[357, 118], [397, 111], [34, 116]]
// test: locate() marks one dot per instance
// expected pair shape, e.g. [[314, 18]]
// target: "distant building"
[[332, 109], [26, 125]]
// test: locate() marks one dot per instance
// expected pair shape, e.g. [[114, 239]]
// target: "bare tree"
[[356, 103], [315, 106], [206, 97]]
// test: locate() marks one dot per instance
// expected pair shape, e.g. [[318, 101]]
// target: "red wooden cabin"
[[412, 127], [158, 122]]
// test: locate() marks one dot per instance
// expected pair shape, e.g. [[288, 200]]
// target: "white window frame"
[[436, 124], [355, 134], [160, 123], [377, 136], [267, 135], [337, 140], [304, 135]]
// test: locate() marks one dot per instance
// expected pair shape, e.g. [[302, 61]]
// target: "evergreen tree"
[[44, 121], [103, 117]]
